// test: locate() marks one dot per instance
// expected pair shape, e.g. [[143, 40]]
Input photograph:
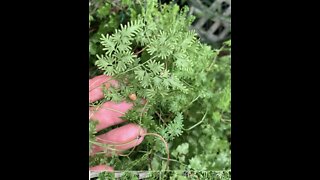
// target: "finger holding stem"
[[121, 138]]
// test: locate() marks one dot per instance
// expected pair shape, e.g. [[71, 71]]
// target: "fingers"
[[122, 138], [101, 168], [109, 114], [95, 88]]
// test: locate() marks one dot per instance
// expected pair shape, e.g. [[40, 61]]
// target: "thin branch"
[[166, 144], [198, 122], [140, 51], [216, 57], [159, 115]]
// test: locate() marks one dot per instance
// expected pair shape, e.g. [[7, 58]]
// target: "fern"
[[157, 56]]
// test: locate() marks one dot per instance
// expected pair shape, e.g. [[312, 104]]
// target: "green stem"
[[186, 107], [225, 120], [197, 123], [194, 100], [136, 66], [216, 57], [113, 110], [173, 160]]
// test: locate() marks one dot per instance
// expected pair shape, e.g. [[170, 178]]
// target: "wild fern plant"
[[186, 84]]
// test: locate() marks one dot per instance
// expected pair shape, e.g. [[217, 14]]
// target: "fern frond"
[[155, 67]]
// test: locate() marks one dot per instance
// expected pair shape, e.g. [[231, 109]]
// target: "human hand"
[[107, 115]]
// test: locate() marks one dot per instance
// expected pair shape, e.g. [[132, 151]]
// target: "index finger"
[[95, 86]]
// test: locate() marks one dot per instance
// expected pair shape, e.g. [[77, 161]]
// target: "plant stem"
[[216, 57], [159, 115], [136, 66], [140, 51], [166, 144], [194, 100], [173, 160], [197, 123]]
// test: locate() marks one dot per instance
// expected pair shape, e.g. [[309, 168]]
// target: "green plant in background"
[[173, 175], [152, 53]]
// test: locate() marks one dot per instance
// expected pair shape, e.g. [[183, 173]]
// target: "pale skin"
[[107, 115]]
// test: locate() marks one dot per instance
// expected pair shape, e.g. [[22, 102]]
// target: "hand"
[[108, 114]]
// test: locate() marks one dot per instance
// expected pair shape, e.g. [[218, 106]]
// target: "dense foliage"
[[149, 49]]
